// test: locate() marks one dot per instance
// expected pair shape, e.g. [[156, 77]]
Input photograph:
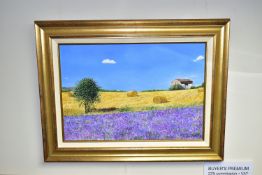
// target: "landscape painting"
[[132, 91]]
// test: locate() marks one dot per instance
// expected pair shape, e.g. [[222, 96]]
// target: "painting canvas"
[[132, 91]]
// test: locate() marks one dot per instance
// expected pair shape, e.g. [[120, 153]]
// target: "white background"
[[20, 127]]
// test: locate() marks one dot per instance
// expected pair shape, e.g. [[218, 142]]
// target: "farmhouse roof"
[[185, 81]]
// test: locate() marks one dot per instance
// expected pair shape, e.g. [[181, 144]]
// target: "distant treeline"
[[199, 86], [107, 90], [153, 90], [68, 89]]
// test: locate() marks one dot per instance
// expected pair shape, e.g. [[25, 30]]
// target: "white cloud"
[[199, 58], [108, 61]]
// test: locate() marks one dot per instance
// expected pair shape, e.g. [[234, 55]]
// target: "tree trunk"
[[86, 108]]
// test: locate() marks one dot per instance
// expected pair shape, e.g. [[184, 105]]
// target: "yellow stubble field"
[[119, 101]]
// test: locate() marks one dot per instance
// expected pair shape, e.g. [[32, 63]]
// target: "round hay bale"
[[71, 94], [132, 94], [200, 90], [159, 99]]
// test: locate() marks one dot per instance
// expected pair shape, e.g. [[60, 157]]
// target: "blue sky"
[[132, 66]]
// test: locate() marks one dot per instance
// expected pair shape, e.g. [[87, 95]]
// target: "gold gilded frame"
[[218, 29]]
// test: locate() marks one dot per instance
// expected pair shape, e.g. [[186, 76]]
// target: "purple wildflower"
[[170, 124]]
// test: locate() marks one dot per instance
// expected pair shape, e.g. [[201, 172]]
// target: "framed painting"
[[133, 90]]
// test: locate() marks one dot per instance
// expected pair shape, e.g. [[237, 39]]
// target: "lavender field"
[[170, 124]]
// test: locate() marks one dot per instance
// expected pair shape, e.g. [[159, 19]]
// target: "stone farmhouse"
[[186, 83]]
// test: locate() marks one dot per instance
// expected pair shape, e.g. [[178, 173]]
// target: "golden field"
[[119, 101]]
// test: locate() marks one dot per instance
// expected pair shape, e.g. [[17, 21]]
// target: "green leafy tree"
[[87, 92]]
